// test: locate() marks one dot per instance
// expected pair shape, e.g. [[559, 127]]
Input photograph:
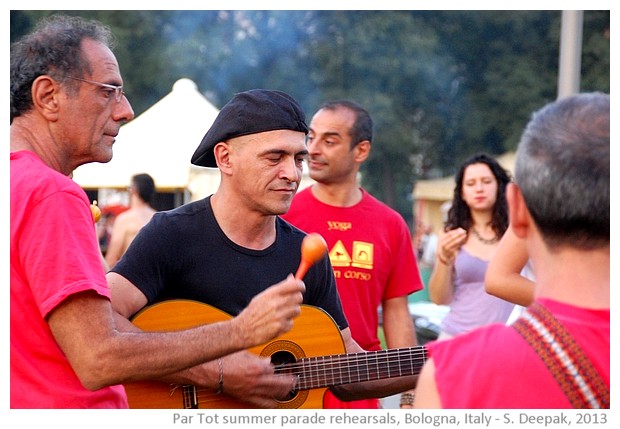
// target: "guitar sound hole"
[[284, 358]]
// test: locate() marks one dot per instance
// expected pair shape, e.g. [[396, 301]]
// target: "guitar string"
[[354, 357], [351, 375], [340, 367], [347, 364]]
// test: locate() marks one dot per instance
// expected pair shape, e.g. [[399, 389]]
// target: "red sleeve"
[[61, 254]]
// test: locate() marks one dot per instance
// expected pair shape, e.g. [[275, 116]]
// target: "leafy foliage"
[[440, 85]]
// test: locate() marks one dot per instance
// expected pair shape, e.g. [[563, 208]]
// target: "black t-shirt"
[[184, 254]]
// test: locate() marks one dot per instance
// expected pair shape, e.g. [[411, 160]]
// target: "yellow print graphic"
[[352, 274], [363, 255], [357, 275], [340, 226], [339, 256]]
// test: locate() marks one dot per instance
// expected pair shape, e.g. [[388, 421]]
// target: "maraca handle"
[[304, 265]]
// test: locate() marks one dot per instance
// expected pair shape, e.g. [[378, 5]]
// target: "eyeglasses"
[[118, 90]]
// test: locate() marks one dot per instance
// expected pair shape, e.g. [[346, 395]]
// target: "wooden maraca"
[[313, 248]]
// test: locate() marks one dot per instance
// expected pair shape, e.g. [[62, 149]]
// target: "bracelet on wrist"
[[407, 399], [220, 383]]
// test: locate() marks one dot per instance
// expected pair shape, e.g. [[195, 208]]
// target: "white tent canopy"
[[160, 142]]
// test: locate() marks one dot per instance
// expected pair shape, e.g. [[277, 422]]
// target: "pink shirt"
[[54, 254], [494, 367]]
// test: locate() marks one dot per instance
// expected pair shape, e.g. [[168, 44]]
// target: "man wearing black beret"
[[225, 249]]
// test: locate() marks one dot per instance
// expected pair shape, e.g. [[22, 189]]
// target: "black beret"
[[250, 112]]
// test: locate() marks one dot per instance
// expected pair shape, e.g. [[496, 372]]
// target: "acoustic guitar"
[[313, 351]]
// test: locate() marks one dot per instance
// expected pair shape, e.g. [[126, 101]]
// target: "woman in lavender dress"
[[476, 221]]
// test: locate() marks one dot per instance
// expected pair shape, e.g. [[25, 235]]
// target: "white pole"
[[570, 52]]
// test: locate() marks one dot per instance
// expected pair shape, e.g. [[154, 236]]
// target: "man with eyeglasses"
[[117, 90], [68, 348]]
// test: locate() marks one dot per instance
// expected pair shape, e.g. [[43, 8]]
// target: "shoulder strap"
[[580, 381]]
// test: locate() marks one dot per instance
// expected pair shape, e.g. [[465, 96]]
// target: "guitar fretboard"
[[326, 371]]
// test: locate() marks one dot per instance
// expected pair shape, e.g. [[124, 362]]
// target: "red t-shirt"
[[54, 254], [371, 252], [494, 367]]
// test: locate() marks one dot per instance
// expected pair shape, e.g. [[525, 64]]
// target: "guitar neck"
[[334, 370]]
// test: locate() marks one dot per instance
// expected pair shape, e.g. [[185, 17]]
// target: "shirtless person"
[[127, 224]]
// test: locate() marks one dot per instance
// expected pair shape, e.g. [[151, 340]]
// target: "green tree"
[[393, 64], [440, 85]]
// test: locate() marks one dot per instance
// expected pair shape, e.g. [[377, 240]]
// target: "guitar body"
[[314, 333]]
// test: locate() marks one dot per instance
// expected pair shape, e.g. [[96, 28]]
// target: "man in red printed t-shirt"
[[369, 243]]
